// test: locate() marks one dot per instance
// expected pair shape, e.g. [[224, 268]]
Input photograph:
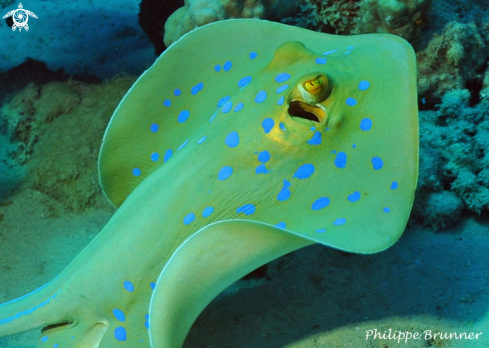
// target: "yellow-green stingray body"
[[245, 140]]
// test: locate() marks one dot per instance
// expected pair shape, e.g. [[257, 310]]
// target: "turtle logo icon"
[[20, 17]]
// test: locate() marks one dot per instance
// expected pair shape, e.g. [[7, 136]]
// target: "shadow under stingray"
[[318, 289]]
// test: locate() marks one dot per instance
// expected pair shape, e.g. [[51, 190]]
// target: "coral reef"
[[404, 18], [453, 59], [400, 17], [196, 13], [454, 161], [55, 132], [330, 16]]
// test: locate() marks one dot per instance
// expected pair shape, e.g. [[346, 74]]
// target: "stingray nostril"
[[303, 110]]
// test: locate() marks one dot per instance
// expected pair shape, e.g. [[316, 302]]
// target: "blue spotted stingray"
[[244, 141]]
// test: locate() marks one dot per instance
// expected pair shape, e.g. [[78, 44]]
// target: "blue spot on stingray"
[[244, 81], [354, 146], [197, 88], [363, 85], [183, 116], [280, 101], [351, 101], [304, 171], [320, 203], [394, 185], [334, 151], [207, 211], [284, 194], [246, 209], [261, 169], [146, 316], [212, 118], [347, 52], [217, 68], [366, 124], [118, 314], [44, 339], [282, 126], [232, 140], [167, 103], [155, 156], [227, 66], [281, 225], [320, 60], [377, 163], [224, 173], [313, 129], [329, 52], [223, 101], [350, 47], [340, 160], [120, 333], [264, 156], [355, 196], [152, 285], [201, 140], [136, 172], [253, 55], [260, 97], [146, 324], [282, 77], [238, 107], [154, 127], [386, 210], [183, 145], [227, 107], [267, 125], [316, 139], [340, 221], [281, 88], [56, 345], [188, 218], [168, 154], [128, 286], [177, 92], [321, 230]]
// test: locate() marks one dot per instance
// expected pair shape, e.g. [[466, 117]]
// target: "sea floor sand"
[[314, 297]]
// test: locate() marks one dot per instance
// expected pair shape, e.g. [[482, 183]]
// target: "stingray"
[[245, 140]]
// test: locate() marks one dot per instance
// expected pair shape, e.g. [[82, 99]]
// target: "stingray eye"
[[314, 86], [306, 98]]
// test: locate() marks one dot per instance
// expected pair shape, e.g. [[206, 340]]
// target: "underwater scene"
[[244, 173]]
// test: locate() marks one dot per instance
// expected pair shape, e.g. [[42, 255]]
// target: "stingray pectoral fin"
[[203, 266]]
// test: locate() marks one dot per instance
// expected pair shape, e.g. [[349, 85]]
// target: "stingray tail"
[[37, 309], [203, 266]]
